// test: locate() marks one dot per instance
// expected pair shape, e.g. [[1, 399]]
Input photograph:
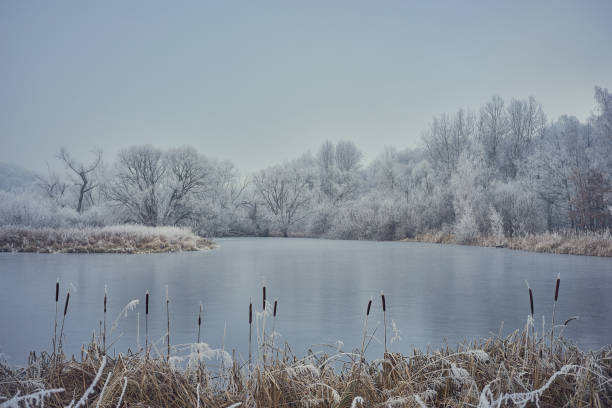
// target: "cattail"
[[552, 328], [264, 298], [147, 321], [104, 332], [250, 329], [369, 306], [66, 304], [531, 301], [274, 323], [55, 326], [199, 321], [384, 306], [168, 317]]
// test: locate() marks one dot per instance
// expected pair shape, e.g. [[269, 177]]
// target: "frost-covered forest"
[[501, 170]]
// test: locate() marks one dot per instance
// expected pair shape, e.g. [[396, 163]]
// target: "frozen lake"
[[435, 293]]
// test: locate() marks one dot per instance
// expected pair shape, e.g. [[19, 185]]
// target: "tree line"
[[503, 170]]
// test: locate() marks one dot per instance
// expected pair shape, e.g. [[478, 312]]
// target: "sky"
[[260, 82]]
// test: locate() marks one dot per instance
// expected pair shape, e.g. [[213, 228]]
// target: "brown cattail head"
[[105, 303], [264, 298], [531, 301], [147, 303], [200, 315], [557, 287], [66, 304], [57, 291], [369, 306], [384, 305], [275, 304], [250, 312]]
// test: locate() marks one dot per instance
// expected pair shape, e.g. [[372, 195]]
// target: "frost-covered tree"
[[81, 175], [286, 191]]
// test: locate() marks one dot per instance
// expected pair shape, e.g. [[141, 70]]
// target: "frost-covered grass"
[[111, 239], [514, 371], [567, 242]]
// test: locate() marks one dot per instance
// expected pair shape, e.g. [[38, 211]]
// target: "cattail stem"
[[147, 322], [273, 325], [250, 330], [263, 323], [168, 319], [384, 306], [365, 331], [63, 320], [552, 327], [365, 327], [104, 329], [55, 327]]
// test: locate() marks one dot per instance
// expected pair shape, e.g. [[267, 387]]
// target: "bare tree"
[[348, 156], [52, 186], [136, 183], [492, 128], [285, 192], [83, 174]]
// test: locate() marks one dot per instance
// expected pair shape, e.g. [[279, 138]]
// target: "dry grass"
[[571, 243], [127, 239], [512, 370]]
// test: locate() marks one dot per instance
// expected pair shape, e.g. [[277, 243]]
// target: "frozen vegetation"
[[501, 175], [526, 368], [116, 239]]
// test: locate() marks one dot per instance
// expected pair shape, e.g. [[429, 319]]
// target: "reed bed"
[[498, 371], [128, 239], [524, 368], [563, 242]]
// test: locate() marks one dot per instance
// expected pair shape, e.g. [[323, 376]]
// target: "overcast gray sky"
[[258, 82]]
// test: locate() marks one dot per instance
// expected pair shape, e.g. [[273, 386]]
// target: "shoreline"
[[560, 243], [118, 239], [496, 371]]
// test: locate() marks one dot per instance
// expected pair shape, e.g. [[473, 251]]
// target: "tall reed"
[[199, 321], [273, 324], [263, 323], [168, 319], [250, 330], [384, 306], [63, 320], [552, 327], [104, 331], [55, 327], [147, 322]]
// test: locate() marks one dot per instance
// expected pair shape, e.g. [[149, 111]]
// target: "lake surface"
[[435, 293]]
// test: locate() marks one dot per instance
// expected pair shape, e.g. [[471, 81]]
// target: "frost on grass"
[[488, 373], [114, 239]]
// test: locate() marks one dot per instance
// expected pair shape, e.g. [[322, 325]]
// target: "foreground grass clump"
[[129, 239], [517, 370], [566, 242]]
